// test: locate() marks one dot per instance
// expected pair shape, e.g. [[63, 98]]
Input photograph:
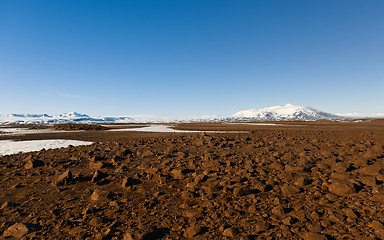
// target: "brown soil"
[[84, 127], [320, 181]]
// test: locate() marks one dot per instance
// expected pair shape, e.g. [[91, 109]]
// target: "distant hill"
[[70, 117], [288, 112]]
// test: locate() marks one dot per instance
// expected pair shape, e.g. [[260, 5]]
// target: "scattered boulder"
[[77, 231], [313, 236], [95, 195], [278, 210], [96, 165], [192, 232], [343, 189], [98, 176], [261, 227], [289, 190], [147, 153], [64, 179], [19, 230], [371, 170], [230, 232], [127, 182], [177, 174], [33, 164], [7, 205]]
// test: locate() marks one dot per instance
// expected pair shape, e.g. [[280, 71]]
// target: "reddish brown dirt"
[[320, 181]]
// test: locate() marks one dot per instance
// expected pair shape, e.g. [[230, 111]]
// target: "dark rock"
[[98, 176], [64, 179], [192, 231], [301, 181], [7, 205], [77, 231], [95, 195], [96, 221], [33, 164], [289, 190], [377, 197], [278, 210], [261, 227], [230, 232], [18, 230], [96, 165], [313, 236], [177, 174], [147, 153], [127, 182], [341, 189], [371, 170], [186, 195]]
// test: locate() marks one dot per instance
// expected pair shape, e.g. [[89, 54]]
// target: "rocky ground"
[[316, 182]]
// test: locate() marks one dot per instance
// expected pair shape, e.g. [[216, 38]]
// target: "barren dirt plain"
[[298, 180]]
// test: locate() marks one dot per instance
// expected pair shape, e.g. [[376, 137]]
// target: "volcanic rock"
[[371, 170], [64, 179], [313, 236], [19, 230], [127, 182], [95, 195], [33, 164], [96, 165], [98, 176], [192, 231], [230, 232], [343, 189], [313, 181]]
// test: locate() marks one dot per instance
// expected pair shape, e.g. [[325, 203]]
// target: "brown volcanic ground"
[[323, 180]]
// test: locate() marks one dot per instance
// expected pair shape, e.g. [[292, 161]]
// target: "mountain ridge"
[[288, 112]]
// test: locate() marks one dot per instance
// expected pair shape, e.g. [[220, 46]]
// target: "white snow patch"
[[167, 129], [153, 128], [23, 131], [12, 147]]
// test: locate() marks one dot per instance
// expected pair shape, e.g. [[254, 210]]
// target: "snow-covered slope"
[[71, 117], [288, 112]]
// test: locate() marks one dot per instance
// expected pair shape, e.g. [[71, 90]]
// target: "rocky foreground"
[[289, 184]]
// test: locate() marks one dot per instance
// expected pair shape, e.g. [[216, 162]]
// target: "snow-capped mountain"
[[288, 112], [71, 117]]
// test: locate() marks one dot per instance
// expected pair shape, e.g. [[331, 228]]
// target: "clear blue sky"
[[189, 58]]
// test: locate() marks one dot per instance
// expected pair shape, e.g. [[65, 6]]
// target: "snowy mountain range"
[[288, 112], [70, 117]]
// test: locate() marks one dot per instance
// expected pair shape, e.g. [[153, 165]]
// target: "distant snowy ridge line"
[[71, 117], [287, 112], [74, 117]]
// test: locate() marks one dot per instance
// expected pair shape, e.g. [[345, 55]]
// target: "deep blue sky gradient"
[[183, 58]]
